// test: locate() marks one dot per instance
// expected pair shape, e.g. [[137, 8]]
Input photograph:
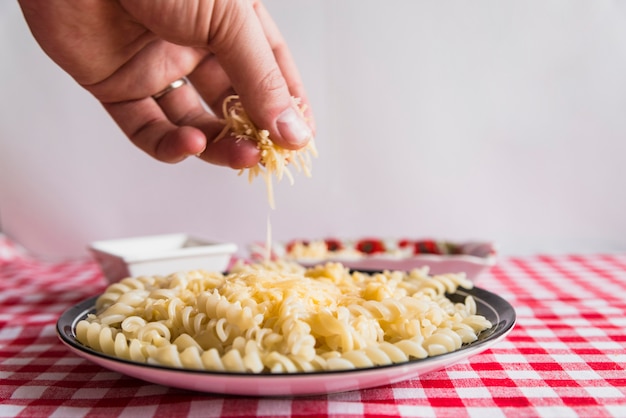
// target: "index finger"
[[243, 48]]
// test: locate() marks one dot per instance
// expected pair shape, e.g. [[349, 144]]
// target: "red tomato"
[[333, 244], [370, 246], [426, 247], [405, 243]]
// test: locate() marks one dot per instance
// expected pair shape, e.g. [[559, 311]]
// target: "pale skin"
[[126, 51]]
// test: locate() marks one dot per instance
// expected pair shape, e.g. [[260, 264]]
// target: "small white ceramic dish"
[[472, 257], [159, 255]]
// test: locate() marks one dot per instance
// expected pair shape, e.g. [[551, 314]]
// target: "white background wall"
[[492, 120]]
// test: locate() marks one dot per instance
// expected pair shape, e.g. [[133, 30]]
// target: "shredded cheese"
[[274, 159], [268, 241]]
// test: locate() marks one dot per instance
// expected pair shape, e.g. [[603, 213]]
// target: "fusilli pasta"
[[278, 317]]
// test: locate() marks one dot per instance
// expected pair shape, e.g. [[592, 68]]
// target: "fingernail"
[[293, 128]]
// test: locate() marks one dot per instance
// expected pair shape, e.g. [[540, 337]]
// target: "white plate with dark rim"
[[493, 307]]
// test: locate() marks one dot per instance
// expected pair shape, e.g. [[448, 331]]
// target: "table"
[[566, 356]]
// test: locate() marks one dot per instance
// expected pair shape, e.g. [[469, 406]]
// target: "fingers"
[[147, 127], [212, 83], [183, 108], [156, 64], [151, 128]]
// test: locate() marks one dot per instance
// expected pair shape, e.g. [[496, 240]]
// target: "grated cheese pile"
[[274, 159]]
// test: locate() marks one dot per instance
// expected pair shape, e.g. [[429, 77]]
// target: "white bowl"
[[159, 255]]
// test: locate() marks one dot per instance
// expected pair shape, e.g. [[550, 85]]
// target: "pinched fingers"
[[184, 108], [175, 126]]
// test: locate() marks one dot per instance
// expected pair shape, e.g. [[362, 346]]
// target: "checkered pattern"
[[565, 358]]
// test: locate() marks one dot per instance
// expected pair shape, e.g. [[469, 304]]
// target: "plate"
[[440, 256], [493, 307]]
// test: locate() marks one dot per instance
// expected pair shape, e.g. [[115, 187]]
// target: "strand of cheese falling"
[[274, 159]]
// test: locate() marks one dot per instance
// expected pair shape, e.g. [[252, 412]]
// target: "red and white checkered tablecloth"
[[566, 356]]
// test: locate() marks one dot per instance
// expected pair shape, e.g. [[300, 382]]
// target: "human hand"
[[125, 52]]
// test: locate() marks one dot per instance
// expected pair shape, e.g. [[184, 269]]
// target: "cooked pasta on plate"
[[280, 317]]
